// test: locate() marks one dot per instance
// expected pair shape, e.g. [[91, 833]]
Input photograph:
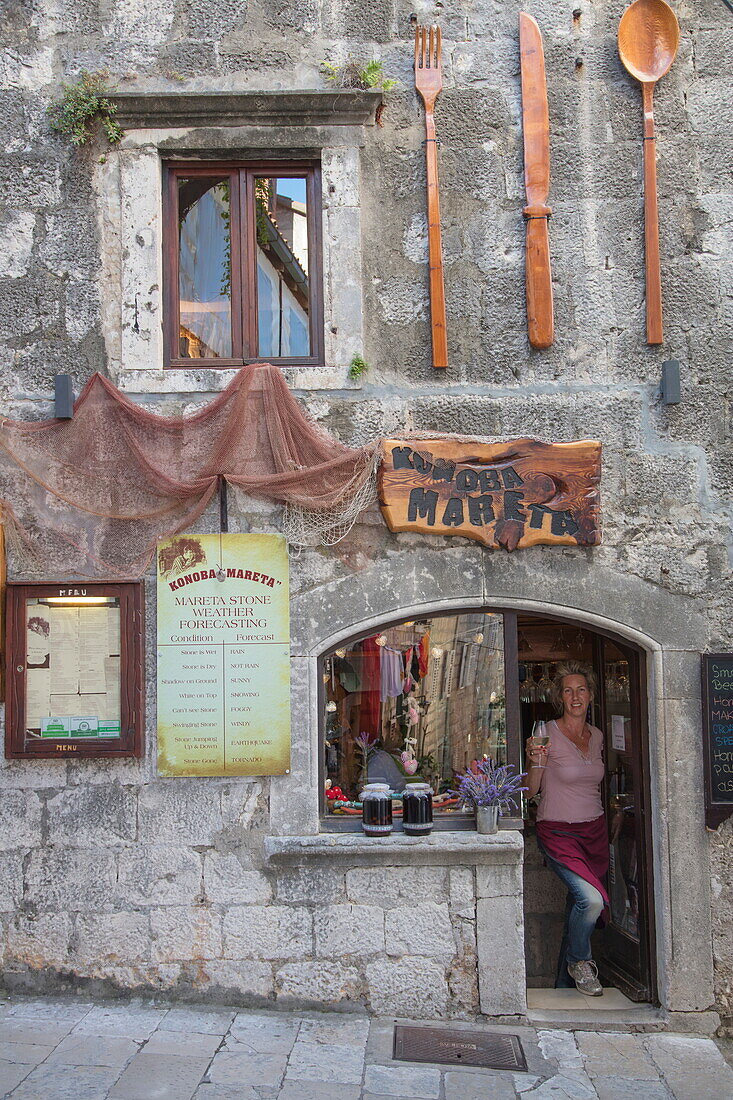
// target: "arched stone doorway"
[[669, 631]]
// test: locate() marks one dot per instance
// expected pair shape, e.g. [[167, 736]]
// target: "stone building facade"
[[116, 879]]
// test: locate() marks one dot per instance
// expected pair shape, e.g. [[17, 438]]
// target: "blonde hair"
[[571, 668]]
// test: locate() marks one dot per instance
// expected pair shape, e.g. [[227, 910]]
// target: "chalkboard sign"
[[717, 722]]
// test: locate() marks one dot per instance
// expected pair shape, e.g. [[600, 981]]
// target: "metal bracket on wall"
[[670, 388], [63, 397], [223, 506]]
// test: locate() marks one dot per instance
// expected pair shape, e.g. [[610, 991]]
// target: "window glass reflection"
[[419, 700], [204, 265], [281, 215]]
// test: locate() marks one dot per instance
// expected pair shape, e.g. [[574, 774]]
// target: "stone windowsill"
[[397, 849], [166, 110], [195, 379]]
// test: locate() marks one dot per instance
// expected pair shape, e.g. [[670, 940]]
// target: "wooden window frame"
[[242, 175], [131, 739]]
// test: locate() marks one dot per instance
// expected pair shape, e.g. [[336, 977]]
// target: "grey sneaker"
[[585, 976]]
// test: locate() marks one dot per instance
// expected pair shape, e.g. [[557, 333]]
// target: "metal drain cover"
[[452, 1047]]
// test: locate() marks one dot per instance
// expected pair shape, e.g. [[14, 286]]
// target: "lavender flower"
[[490, 785], [365, 741], [366, 744]]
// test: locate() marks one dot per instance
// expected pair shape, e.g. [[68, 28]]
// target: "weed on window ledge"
[[357, 368], [357, 74], [85, 102]]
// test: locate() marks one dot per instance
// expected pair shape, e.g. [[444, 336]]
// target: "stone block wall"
[[722, 891], [145, 897], [412, 927], [82, 837]]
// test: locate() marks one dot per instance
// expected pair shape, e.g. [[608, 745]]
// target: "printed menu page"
[[72, 670]]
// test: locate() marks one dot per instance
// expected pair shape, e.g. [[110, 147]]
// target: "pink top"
[[570, 784]]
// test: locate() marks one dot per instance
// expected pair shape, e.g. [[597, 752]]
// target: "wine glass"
[[545, 684], [540, 737]]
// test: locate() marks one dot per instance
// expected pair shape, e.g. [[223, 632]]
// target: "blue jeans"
[[583, 907]]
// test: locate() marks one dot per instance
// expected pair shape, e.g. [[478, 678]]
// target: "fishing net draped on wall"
[[91, 495]]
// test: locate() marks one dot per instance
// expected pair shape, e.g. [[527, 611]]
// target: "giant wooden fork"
[[428, 82]]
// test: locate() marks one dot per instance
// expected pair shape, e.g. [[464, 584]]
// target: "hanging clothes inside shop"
[[392, 673], [409, 681], [370, 715], [423, 654], [347, 675]]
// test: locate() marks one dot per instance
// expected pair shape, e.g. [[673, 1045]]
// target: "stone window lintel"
[[167, 110]]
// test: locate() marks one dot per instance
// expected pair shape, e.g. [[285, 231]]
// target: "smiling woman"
[[572, 835]]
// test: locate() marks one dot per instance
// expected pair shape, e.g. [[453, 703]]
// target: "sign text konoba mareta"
[[512, 495]]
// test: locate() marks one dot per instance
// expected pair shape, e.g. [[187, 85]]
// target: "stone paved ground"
[[66, 1049]]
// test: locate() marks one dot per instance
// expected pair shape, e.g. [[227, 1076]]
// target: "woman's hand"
[[537, 758], [536, 754]]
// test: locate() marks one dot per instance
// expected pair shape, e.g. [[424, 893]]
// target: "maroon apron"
[[582, 847]]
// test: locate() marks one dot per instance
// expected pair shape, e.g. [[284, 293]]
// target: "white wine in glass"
[[540, 738]]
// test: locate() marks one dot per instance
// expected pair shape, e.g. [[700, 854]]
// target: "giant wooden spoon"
[[648, 37]]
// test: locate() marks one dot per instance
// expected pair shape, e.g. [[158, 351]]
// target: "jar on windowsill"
[[376, 815], [417, 809]]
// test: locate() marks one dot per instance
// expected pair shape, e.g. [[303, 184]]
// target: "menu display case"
[[74, 669]]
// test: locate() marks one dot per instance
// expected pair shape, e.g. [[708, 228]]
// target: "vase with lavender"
[[490, 789]]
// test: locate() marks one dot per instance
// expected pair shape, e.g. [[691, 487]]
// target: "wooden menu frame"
[[21, 743]]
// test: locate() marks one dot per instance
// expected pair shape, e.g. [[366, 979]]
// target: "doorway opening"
[[422, 698], [624, 949]]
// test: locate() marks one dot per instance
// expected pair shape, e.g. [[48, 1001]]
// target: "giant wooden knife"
[[536, 128]]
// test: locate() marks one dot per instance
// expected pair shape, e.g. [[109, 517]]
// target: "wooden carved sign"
[[511, 495]]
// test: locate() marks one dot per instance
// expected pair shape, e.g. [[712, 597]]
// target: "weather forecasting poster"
[[223, 655]]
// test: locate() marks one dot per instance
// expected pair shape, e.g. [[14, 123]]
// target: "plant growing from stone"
[[490, 785], [357, 74], [357, 367], [84, 103]]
